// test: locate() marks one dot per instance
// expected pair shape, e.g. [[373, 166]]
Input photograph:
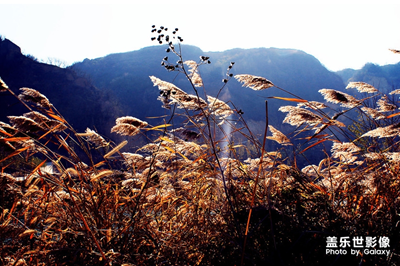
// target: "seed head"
[[338, 97], [254, 82], [278, 136]]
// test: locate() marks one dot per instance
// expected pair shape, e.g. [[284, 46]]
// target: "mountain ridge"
[[385, 78], [287, 68], [73, 95]]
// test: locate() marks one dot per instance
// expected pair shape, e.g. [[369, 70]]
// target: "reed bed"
[[187, 197]]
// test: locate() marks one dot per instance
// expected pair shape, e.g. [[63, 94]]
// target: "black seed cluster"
[[162, 36], [205, 59], [228, 74]]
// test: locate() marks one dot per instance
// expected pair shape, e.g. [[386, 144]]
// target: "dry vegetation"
[[187, 197]]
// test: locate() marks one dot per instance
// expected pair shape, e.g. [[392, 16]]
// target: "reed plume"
[[254, 82], [194, 75], [375, 114], [128, 126], [362, 87], [278, 136], [24, 124], [297, 116], [218, 107], [338, 97], [384, 105], [94, 138], [31, 95], [45, 122], [3, 86], [384, 132], [395, 51]]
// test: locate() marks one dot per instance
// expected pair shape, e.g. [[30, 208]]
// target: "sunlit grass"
[[188, 197]]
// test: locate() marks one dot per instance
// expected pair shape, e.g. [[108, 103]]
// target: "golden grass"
[[186, 198]]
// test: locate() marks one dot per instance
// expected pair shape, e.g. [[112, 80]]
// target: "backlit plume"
[[278, 136], [362, 87], [254, 82], [31, 95], [194, 73], [297, 116], [338, 97], [170, 94], [384, 132], [384, 105], [128, 126], [218, 107], [373, 113], [45, 122], [94, 137]]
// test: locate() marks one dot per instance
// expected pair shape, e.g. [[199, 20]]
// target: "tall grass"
[[187, 197]]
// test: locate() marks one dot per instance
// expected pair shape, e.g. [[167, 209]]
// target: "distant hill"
[[81, 103], [386, 78], [93, 93], [126, 75]]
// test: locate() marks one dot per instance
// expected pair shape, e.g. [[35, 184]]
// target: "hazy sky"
[[341, 34]]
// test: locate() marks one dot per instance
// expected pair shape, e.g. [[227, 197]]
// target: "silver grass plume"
[[135, 160], [373, 156], [393, 156], [373, 113], [278, 136], [397, 91], [194, 73], [167, 90], [254, 82], [312, 105], [297, 116], [24, 124], [338, 97], [189, 102], [3, 86], [345, 151], [171, 94], [33, 147], [218, 107], [46, 122], [8, 128], [384, 105], [384, 132], [362, 87], [128, 126], [93, 137], [31, 95], [395, 51], [344, 147]]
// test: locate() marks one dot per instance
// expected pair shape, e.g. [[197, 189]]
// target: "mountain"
[[126, 75], [385, 78], [93, 93], [81, 103]]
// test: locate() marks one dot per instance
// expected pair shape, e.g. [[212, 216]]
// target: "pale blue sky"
[[340, 34]]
